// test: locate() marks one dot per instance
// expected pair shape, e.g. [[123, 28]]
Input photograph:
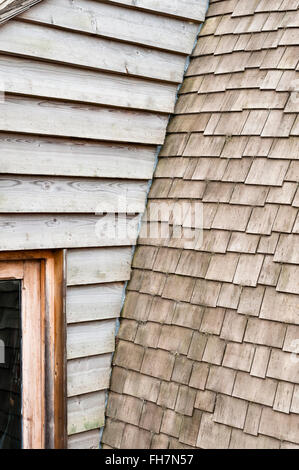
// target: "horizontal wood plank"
[[24, 154], [88, 374], [68, 47], [37, 116], [119, 23], [86, 412], [29, 77], [73, 195], [190, 9], [96, 302], [90, 339], [95, 266], [29, 232], [85, 440]]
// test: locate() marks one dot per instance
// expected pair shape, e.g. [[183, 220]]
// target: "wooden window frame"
[[50, 432]]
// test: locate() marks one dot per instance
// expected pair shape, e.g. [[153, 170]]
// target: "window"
[[32, 345]]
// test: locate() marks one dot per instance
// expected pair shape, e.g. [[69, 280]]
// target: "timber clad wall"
[[204, 357], [88, 89]]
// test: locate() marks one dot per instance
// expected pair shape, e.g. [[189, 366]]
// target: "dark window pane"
[[10, 365]]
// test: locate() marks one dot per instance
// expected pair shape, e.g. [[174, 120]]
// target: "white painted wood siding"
[[86, 89]]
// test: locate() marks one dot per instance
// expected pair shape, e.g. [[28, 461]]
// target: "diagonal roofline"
[[11, 8]]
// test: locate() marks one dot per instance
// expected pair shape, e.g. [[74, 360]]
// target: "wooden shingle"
[[267, 172], [240, 440], [241, 242], [221, 379], [238, 356], [282, 367], [229, 296], [178, 288], [287, 249], [212, 435], [214, 318], [283, 397], [206, 293], [231, 217], [248, 270], [260, 361], [289, 280], [233, 326], [219, 270], [279, 425], [230, 411], [214, 350], [251, 300], [249, 195], [252, 419], [262, 219], [264, 332], [254, 390], [290, 338], [274, 303]]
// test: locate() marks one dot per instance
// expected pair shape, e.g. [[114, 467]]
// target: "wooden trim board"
[[11, 8], [44, 339]]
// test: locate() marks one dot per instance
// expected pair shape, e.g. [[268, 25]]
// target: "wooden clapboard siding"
[[100, 302], [24, 154], [86, 412], [26, 232], [94, 266], [34, 78], [190, 9], [68, 47], [84, 440], [120, 23], [88, 374], [86, 87], [90, 339], [73, 195], [78, 120]]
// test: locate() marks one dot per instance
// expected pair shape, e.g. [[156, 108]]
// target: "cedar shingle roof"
[[209, 327]]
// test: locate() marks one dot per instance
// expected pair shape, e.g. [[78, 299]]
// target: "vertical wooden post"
[[43, 345], [33, 376]]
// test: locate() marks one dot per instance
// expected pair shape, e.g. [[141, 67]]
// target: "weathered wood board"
[[85, 440], [86, 89], [74, 195], [190, 9], [44, 42], [33, 155], [37, 116], [95, 266], [86, 412], [95, 302], [120, 23], [88, 374], [90, 339], [29, 77], [26, 232]]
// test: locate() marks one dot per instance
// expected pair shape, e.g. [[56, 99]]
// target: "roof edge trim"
[[11, 8]]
